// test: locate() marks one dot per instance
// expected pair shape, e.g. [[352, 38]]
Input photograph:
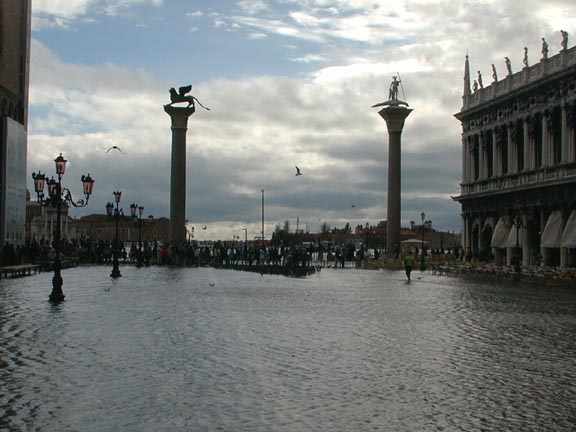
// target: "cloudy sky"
[[288, 82]]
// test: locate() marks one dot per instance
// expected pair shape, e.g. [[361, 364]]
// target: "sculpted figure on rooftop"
[[564, 42], [544, 49], [508, 65]]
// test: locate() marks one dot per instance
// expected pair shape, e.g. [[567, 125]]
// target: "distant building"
[[102, 228], [15, 17], [518, 190]]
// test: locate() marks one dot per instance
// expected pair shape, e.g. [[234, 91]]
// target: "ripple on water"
[[205, 349]]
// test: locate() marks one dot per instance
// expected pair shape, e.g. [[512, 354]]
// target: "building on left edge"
[[15, 22]]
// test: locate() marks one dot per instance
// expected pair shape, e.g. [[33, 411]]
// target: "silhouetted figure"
[[409, 264]]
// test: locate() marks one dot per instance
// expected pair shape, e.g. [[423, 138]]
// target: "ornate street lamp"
[[133, 208], [115, 212], [245, 254], [426, 226], [57, 197]]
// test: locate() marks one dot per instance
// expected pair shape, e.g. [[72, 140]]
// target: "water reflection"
[[202, 349]]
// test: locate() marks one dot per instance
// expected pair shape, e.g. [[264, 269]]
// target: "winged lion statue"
[[182, 96]]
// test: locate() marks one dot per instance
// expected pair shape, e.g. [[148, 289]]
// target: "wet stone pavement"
[[200, 349]]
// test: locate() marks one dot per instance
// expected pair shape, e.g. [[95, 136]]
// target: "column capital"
[[394, 117], [179, 115]]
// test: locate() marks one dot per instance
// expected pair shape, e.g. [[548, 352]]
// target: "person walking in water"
[[409, 264]]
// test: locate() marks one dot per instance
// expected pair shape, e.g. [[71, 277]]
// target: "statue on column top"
[[181, 96], [392, 94], [494, 74], [480, 80], [525, 60]]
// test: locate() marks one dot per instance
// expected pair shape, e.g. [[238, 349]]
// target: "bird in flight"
[[204, 227], [353, 206], [115, 148], [298, 173]]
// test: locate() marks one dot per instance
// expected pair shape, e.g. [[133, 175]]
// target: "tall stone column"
[[179, 117], [394, 115]]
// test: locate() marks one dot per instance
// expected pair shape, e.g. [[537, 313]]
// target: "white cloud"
[[64, 13]]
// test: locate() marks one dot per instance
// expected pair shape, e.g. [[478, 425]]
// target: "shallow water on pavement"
[[202, 349]]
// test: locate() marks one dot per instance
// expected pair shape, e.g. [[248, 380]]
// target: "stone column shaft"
[[528, 153], [512, 157], [179, 117], [566, 156], [481, 150], [394, 117], [496, 168], [546, 147]]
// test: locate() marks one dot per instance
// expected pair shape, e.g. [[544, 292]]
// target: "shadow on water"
[[206, 349]]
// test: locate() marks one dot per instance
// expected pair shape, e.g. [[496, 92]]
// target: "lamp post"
[[426, 226], [57, 197], [115, 213], [245, 245], [518, 223], [262, 217], [133, 208]]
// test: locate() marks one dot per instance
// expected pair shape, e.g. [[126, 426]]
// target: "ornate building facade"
[[518, 189]]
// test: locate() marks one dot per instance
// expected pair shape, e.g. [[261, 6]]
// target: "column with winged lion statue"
[[179, 117]]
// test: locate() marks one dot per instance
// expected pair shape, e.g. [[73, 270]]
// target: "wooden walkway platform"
[[18, 270]]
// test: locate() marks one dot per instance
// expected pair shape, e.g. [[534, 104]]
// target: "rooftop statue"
[[544, 49], [525, 60], [392, 94], [181, 96], [508, 65], [480, 83], [494, 74], [564, 42]]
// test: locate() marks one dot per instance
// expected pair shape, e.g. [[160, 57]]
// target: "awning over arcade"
[[500, 235], [552, 234], [514, 237], [569, 234]]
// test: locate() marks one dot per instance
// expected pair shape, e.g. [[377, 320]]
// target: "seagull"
[[115, 148], [298, 173], [204, 227], [353, 206], [212, 283]]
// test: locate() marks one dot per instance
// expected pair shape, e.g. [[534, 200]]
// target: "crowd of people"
[[185, 253]]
